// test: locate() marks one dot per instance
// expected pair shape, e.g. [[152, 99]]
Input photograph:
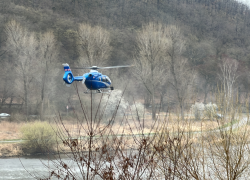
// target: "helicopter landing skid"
[[97, 91]]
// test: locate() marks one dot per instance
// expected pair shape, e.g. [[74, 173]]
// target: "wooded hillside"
[[214, 33]]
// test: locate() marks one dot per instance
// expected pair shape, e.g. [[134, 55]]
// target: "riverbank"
[[9, 133], [11, 137]]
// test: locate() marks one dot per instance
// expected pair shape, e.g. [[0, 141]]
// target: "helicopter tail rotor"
[[68, 75]]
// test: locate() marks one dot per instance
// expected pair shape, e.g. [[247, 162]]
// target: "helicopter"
[[95, 81]]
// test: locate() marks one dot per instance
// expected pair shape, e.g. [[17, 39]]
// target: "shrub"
[[39, 137], [197, 110], [210, 110]]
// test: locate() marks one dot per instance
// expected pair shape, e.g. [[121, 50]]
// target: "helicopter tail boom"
[[68, 75]]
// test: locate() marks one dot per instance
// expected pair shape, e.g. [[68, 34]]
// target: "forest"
[[182, 50]]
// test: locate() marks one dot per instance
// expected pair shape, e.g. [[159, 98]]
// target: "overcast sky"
[[245, 2]]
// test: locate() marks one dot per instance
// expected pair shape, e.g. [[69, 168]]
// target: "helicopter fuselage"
[[92, 80], [95, 80]]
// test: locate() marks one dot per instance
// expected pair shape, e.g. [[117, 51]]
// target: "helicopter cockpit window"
[[108, 80], [104, 79]]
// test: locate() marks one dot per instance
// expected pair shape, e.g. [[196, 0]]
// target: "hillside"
[[212, 30], [223, 22]]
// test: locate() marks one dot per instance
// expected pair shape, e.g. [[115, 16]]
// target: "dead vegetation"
[[137, 147]]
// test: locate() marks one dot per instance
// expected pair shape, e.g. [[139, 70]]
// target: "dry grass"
[[173, 123], [10, 130], [10, 150]]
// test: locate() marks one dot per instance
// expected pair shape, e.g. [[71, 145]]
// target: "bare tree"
[[178, 157], [150, 69], [228, 146], [22, 44], [228, 75], [208, 72], [94, 44], [47, 55], [182, 76], [103, 151], [7, 88]]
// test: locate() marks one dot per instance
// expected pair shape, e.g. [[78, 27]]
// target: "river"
[[12, 168]]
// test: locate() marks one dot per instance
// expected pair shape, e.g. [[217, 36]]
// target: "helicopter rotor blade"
[[95, 67], [110, 67], [82, 68]]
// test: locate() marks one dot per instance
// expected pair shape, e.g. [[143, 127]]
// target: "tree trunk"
[[48, 108], [153, 106], [206, 92], [11, 100], [153, 93], [182, 110], [41, 111], [26, 99]]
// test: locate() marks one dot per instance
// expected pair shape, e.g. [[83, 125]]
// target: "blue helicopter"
[[94, 81]]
